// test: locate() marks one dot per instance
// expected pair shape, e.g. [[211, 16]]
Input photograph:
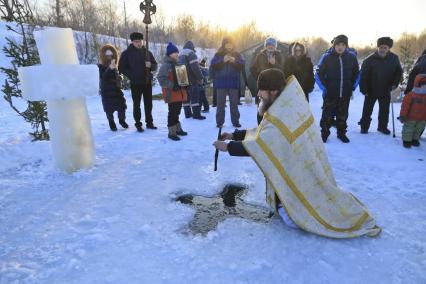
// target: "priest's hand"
[[148, 64], [226, 136], [221, 146]]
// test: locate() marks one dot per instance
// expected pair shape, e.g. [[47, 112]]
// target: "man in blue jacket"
[[227, 65], [338, 74], [188, 57]]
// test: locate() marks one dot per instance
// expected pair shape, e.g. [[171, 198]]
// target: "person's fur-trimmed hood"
[[103, 50]]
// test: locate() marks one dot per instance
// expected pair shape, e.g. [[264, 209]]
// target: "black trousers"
[[174, 112], [137, 91], [384, 105], [341, 106], [121, 115]]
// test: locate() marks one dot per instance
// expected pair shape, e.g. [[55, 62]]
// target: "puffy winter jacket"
[[413, 106], [380, 74], [339, 73]]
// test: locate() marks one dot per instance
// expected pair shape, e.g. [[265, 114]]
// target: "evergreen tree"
[[22, 53]]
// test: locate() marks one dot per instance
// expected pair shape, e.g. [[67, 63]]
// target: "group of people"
[[337, 74]]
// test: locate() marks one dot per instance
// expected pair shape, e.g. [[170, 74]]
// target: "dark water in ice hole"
[[210, 211]]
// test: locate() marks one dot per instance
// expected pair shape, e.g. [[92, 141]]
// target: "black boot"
[[384, 130], [151, 126], [172, 133], [179, 130], [123, 124], [324, 135], [343, 137], [188, 111], [365, 125], [139, 128], [415, 143], [407, 144], [112, 125], [197, 113]]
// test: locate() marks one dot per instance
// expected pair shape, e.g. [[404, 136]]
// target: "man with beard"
[[287, 147], [380, 74]]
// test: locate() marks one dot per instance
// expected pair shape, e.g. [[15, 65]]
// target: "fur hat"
[[271, 41], [271, 80], [385, 41], [171, 48], [102, 54], [136, 36], [340, 39]]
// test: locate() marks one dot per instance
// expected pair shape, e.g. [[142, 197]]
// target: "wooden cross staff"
[[216, 154]]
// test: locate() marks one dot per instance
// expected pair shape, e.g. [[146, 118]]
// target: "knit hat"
[[171, 48], [271, 41], [271, 80], [385, 41], [420, 80], [136, 36], [189, 45], [340, 39]]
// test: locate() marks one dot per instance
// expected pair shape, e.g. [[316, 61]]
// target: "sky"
[[362, 21]]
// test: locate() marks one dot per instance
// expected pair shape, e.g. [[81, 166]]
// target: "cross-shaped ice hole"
[[210, 211]]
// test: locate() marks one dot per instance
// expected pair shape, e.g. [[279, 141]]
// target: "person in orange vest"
[[173, 93], [413, 113]]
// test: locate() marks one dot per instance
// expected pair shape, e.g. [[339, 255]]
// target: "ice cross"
[[210, 211], [63, 84]]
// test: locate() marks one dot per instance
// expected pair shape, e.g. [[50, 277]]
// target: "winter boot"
[[179, 130], [407, 144], [415, 143], [188, 111], [343, 137], [112, 125], [384, 130], [172, 133], [151, 126], [123, 124], [364, 130], [197, 113], [324, 135], [139, 128]]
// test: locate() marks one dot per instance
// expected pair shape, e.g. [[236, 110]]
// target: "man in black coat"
[[300, 65], [135, 66], [338, 73], [380, 74], [419, 68]]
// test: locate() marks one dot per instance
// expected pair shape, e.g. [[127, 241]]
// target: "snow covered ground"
[[118, 223]]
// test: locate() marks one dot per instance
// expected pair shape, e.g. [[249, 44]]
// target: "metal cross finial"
[[149, 9]]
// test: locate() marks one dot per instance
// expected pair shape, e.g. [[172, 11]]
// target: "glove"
[[402, 119]]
